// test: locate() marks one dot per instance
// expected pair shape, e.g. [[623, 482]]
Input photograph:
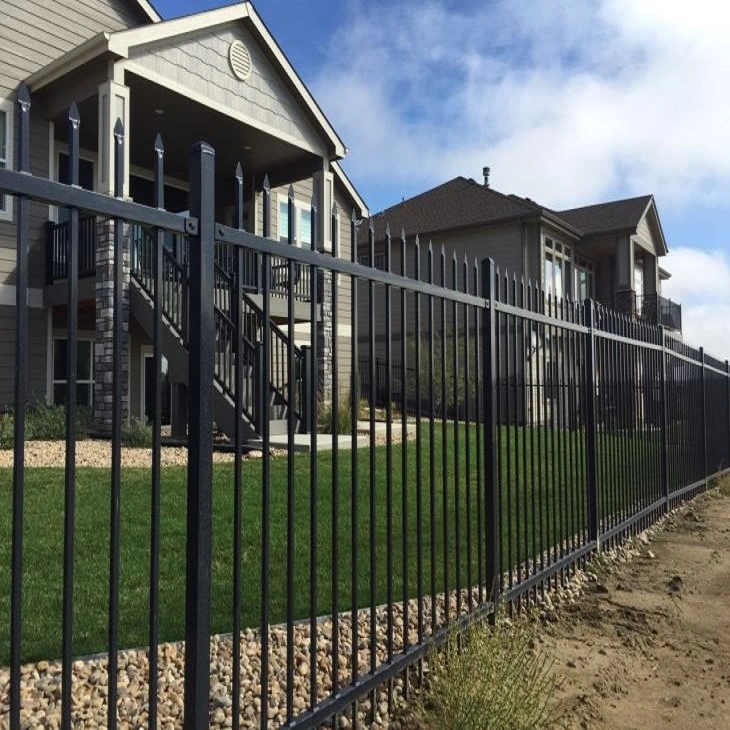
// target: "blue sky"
[[569, 103]]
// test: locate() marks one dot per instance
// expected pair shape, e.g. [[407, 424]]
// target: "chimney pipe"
[[485, 172]]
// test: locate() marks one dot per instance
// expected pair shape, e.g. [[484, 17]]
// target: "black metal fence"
[[315, 585]]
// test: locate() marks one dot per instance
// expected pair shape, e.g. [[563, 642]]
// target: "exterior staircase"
[[278, 399]]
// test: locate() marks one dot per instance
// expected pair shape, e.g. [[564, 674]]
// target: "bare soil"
[[648, 644]]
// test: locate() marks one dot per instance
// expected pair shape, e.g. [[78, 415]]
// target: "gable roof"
[[462, 202], [608, 217], [458, 203], [120, 43], [149, 10]]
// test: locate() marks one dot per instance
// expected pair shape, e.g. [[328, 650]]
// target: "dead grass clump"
[[498, 681]]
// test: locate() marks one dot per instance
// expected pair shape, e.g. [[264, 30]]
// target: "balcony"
[[57, 238], [656, 309]]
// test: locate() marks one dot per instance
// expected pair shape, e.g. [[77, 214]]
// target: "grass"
[[557, 514]]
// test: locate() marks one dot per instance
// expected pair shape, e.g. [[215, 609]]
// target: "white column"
[[113, 105]]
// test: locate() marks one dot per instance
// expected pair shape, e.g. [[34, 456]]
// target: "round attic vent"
[[240, 60]]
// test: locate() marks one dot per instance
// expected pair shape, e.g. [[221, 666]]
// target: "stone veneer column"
[[625, 301], [104, 350]]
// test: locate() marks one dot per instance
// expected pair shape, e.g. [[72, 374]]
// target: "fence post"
[[664, 424], [307, 386], [704, 417], [591, 462], [489, 394], [200, 438]]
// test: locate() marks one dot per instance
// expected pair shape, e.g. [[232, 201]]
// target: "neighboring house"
[[609, 252], [217, 76]]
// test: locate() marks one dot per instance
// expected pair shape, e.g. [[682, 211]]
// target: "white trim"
[[76, 57], [350, 189], [340, 150], [7, 296], [300, 207], [8, 108], [149, 11], [122, 40]]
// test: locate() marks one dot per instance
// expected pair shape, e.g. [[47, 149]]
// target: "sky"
[[570, 102]]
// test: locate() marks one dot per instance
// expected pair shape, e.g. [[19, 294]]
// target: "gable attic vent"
[[240, 60]]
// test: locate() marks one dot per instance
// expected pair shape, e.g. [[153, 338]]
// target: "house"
[[218, 76], [608, 252]]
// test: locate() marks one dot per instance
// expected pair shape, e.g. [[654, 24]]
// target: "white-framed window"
[[302, 223], [84, 371], [584, 279], [7, 119], [558, 269]]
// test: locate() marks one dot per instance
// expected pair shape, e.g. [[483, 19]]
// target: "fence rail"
[[522, 434]]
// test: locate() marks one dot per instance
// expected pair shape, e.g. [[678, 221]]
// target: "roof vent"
[[240, 60]]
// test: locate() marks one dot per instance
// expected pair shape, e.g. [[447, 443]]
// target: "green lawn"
[[44, 507]]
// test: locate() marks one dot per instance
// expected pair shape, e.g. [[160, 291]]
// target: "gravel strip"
[[98, 453], [41, 682]]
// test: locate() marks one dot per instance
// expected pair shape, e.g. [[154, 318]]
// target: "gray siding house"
[[609, 252], [218, 76]]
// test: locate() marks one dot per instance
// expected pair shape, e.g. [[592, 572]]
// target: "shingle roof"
[[604, 217], [462, 202], [454, 204]]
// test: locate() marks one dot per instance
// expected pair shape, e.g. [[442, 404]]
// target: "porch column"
[[323, 183], [624, 299], [113, 105]]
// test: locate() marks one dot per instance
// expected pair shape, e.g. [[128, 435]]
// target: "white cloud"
[[568, 102], [701, 282]]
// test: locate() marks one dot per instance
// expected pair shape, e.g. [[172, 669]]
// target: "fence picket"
[[577, 426]]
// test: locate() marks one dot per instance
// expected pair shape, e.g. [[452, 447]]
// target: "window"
[[364, 259], [558, 269], [583, 279], [6, 154], [302, 223], [84, 372]]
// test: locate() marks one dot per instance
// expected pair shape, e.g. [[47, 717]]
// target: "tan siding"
[[200, 63], [38, 217], [32, 35], [36, 355], [644, 237], [35, 33]]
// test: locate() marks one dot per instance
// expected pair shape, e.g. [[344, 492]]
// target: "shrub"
[[137, 433], [45, 423], [6, 430], [498, 680], [344, 416]]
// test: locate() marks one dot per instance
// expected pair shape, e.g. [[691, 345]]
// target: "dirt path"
[[648, 645]]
